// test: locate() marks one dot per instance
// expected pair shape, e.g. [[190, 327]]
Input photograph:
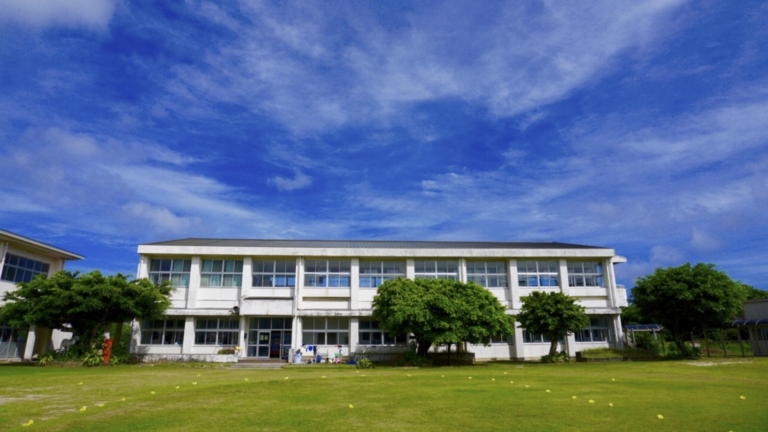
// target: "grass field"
[[501, 396]]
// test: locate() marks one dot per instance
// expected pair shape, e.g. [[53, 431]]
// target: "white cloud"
[[299, 181], [38, 14]]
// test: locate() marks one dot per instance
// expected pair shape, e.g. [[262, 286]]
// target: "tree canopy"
[[688, 298], [552, 314], [440, 311], [83, 303]]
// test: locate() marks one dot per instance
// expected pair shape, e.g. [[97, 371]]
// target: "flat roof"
[[40, 246], [368, 244]]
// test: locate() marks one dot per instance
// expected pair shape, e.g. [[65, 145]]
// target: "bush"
[[412, 358], [364, 363], [93, 358], [561, 357], [227, 351]]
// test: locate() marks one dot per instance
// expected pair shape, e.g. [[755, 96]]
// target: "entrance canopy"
[[644, 327], [747, 322]]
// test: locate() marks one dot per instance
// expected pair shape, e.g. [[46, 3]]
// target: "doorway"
[[269, 338]]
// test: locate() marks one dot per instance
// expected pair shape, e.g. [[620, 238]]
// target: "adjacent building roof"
[[39, 246], [368, 244]]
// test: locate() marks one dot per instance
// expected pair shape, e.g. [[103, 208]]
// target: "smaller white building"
[[22, 258], [756, 320]]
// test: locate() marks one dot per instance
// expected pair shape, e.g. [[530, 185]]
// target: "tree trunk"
[[423, 347], [553, 345], [449, 353]]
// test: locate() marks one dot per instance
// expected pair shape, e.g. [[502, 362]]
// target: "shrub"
[[412, 358], [364, 363], [227, 351], [93, 358], [561, 357]]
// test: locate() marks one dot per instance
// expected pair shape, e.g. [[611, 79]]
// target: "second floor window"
[[20, 269], [490, 274], [174, 270], [327, 273], [436, 269], [585, 274], [374, 273], [221, 273], [537, 273], [274, 273]]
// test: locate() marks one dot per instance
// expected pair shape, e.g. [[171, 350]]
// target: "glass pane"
[[290, 266], [286, 338], [165, 265], [207, 265], [256, 281], [365, 324], [187, 266], [332, 338], [178, 266], [343, 323], [343, 338], [229, 266], [365, 338], [217, 266], [345, 266], [215, 280], [238, 266], [376, 338], [333, 323], [263, 351], [308, 338], [265, 323], [277, 323], [205, 280], [333, 266], [320, 338]]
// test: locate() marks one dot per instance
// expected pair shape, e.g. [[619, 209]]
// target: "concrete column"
[[143, 270], [354, 328], [3, 251], [354, 285], [135, 336], [610, 282], [570, 345], [297, 336], [29, 348], [410, 269], [189, 335], [514, 287], [519, 343], [297, 300], [243, 339], [245, 291], [618, 332], [562, 276], [194, 283], [463, 270]]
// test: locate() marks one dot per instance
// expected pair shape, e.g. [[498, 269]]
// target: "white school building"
[[268, 297], [22, 258]]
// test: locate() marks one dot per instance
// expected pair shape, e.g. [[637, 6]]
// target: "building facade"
[[21, 259], [270, 296]]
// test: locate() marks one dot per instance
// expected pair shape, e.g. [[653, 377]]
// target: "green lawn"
[[689, 398]]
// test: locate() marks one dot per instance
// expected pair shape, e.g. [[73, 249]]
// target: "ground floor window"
[[598, 330], [12, 341], [761, 334], [325, 331], [370, 334], [162, 332], [533, 338], [217, 331], [502, 340]]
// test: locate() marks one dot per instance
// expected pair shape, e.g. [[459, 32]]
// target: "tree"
[[84, 304], [440, 311], [754, 293], [631, 315], [552, 314], [688, 298]]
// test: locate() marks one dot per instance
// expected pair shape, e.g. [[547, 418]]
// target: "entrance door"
[[263, 345], [274, 344]]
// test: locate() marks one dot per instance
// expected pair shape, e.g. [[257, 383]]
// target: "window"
[[162, 332], [502, 340], [761, 334], [598, 330], [325, 331], [585, 274], [217, 331], [327, 273], [20, 269], [370, 334], [531, 338], [218, 273], [12, 342], [374, 273], [174, 270], [537, 273], [277, 274], [491, 274], [434, 269]]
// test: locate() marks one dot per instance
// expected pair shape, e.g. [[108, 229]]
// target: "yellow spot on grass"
[[351, 406], [660, 417], [286, 377], [505, 373], [29, 423], [177, 387], [123, 399], [194, 382], [470, 377], [573, 397], [151, 392], [79, 383], [526, 386], [322, 376], [511, 382], [443, 376], [83, 409], [493, 379], [548, 391], [591, 401], [613, 379], [409, 374], [610, 405], [198, 374], [743, 397], [246, 379]]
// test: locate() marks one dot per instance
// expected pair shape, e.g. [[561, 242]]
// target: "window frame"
[[542, 339], [379, 278], [327, 275], [525, 277], [383, 336], [325, 331], [23, 269], [425, 273], [217, 332], [156, 276], [274, 274], [485, 274], [148, 326], [223, 273], [603, 327], [598, 276]]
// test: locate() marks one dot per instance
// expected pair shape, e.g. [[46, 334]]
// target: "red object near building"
[[107, 350]]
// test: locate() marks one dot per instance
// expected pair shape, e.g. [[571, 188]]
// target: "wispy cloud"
[[39, 14]]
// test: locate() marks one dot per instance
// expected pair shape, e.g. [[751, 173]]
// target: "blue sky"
[[641, 126]]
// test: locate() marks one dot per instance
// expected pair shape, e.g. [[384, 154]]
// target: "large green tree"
[[552, 314], [83, 303], [440, 311], [688, 298]]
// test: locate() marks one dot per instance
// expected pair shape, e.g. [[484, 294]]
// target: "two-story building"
[[22, 258], [269, 296]]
